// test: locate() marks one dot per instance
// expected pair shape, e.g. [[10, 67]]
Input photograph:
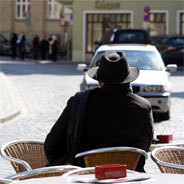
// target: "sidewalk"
[[10, 102], [8, 107]]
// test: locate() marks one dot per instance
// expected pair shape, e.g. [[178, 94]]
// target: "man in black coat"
[[114, 116], [13, 42]]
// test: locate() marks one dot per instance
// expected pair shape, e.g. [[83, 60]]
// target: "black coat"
[[114, 117]]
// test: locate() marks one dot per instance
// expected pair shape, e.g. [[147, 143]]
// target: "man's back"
[[116, 117]]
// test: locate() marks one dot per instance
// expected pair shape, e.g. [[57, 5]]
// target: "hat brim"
[[134, 73]]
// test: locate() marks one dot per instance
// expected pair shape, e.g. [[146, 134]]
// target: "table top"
[[155, 179]]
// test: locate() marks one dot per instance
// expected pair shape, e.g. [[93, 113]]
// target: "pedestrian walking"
[[44, 46], [22, 45], [13, 43], [36, 46], [111, 115]]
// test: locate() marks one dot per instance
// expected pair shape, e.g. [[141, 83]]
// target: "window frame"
[[179, 22], [166, 18], [128, 15], [21, 3], [52, 3]]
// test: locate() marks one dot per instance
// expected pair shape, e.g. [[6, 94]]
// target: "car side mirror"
[[82, 67], [171, 67]]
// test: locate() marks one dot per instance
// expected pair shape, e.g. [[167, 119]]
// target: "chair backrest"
[[24, 155], [43, 172], [169, 159], [113, 155], [5, 181]]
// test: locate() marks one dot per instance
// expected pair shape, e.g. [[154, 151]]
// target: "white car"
[[153, 82]]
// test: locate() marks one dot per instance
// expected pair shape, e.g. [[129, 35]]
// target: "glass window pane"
[[95, 18], [157, 28], [118, 18], [128, 18], [18, 11], [182, 28], [97, 33], [112, 18], [50, 8], [163, 17], [28, 8], [158, 17], [89, 38], [124, 18], [100, 18], [23, 10], [182, 17], [151, 17], [89, 18]]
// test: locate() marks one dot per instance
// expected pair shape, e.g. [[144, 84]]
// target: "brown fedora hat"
[[114, 68]]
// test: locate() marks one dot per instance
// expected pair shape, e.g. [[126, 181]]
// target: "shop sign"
[[106, 4]]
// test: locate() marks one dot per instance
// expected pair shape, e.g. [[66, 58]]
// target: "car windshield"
[[128, 37], [144, 60]]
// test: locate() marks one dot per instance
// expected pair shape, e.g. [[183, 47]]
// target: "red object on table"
[[165, 138], [112, 171]]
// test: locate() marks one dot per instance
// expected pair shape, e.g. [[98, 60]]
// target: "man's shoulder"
[[141, 101]]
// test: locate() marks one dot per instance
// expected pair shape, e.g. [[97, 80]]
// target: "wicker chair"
[[43, 172], [5, 181], [169, 159], [113, 155], [24, 155]]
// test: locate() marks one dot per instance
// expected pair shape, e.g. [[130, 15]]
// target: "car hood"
[[146, 77]]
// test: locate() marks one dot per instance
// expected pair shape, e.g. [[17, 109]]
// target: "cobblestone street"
[[44, 90]]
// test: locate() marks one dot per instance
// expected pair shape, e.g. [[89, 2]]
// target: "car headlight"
[[153, 89]]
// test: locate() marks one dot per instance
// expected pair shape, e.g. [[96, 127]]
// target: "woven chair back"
[[31, 152], [174, 156], [129, 158]]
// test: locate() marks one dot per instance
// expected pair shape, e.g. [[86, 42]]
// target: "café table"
[[155, 179]]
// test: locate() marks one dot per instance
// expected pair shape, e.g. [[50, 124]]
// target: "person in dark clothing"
[[36, 46], [22, 45], [54, 48], [44, 46], [114, 115], [13, 43]]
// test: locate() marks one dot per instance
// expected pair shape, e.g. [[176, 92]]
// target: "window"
[[54, 9], [22, 6], [182, 23], [158, 23], [98, 23]]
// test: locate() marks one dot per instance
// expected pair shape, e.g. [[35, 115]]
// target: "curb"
[[15, 110]]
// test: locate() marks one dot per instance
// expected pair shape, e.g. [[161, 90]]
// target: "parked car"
[[153, 82], [124, 36], [171, 48], [5, 47]]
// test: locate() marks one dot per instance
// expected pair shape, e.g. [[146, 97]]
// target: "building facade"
[[87, 20], [92, 17], [42, 17]]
